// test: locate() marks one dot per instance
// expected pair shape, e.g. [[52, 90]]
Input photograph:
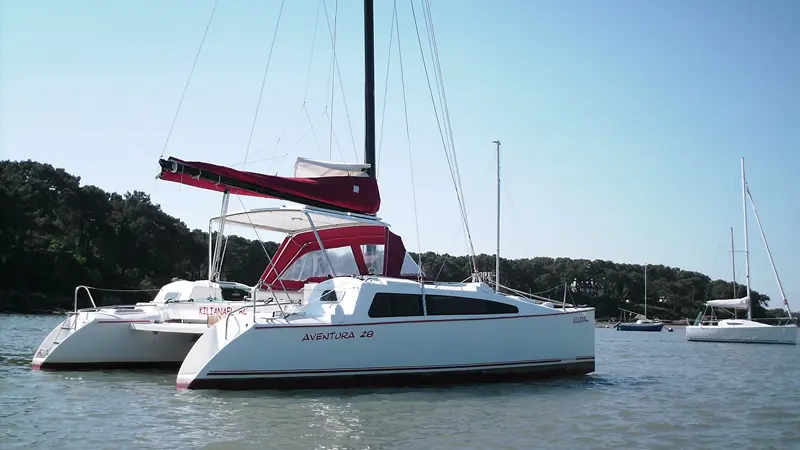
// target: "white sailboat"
[[708, 328]]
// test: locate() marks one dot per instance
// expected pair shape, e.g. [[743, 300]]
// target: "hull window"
[[446, 305], [386, 304]]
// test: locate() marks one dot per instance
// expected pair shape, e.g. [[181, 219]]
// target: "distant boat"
[[641, 322], [708, 328]]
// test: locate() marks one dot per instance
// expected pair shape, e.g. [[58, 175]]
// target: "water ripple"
[[650, 391]]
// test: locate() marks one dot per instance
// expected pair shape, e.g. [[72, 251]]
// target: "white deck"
[[187, 328]]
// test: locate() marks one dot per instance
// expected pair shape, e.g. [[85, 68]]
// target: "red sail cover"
[[342, 193], [296, 246]]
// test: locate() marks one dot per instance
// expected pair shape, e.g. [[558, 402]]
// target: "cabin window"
[[234, 294], [373, 259], [313, 264], [328, 296], [386, 304], [171, 296], [446, 305]]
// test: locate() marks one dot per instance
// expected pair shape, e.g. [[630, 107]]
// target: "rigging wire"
[[311, 57], [255, 230], [386, 84], [333, 78], [453, 169], [335, 62], [333, 135], [410, 158], [446, 109], [313, 132], [189, 78], [264, 81]]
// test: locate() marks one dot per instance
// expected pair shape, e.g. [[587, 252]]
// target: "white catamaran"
[[367, 313], [708, 328]]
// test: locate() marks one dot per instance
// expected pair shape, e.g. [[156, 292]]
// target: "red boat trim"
[[361, 324], [383, 369]]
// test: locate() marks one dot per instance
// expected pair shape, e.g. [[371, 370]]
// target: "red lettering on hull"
[[215, 310]]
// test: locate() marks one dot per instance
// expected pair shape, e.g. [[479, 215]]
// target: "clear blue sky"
[[622, 122]]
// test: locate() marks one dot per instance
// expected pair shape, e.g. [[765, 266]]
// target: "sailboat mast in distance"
[[746, 245], [497, 261]]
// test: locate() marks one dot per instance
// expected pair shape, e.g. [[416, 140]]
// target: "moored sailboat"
[[707, 328], [640, 322]]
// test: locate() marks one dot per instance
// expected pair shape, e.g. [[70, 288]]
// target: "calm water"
[[651, 390]]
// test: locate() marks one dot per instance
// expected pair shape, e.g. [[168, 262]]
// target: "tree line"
[[56, 233]]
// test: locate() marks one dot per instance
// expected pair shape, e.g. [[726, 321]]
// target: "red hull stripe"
[[361, 324]]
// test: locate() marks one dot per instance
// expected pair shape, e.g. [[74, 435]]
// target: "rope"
[[263, 81], [189, 78]]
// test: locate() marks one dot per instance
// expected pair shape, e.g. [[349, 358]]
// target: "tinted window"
[[446, 305], [395, 305], [234, 294], [329, 296]]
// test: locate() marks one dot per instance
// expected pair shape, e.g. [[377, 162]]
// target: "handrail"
[[248, 305], [86, 288]]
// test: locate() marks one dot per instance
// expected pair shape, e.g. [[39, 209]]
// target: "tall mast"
[[645, 291], [746, 246], [733, 268], [497, 259], [369, 88]]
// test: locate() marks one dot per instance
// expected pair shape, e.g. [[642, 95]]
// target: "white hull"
[[281, 355], [110, 343], [743, 331], [108, 338]]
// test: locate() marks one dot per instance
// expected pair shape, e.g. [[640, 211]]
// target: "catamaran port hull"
[[392, 353], [760, 334], [111, 344]]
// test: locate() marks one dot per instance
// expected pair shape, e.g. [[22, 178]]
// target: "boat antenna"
[[369, 88], [497, 258]]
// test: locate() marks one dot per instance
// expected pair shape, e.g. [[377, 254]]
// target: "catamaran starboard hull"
[[392, 353]]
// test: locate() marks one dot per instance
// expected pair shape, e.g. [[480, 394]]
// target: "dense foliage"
[[56, 234]]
